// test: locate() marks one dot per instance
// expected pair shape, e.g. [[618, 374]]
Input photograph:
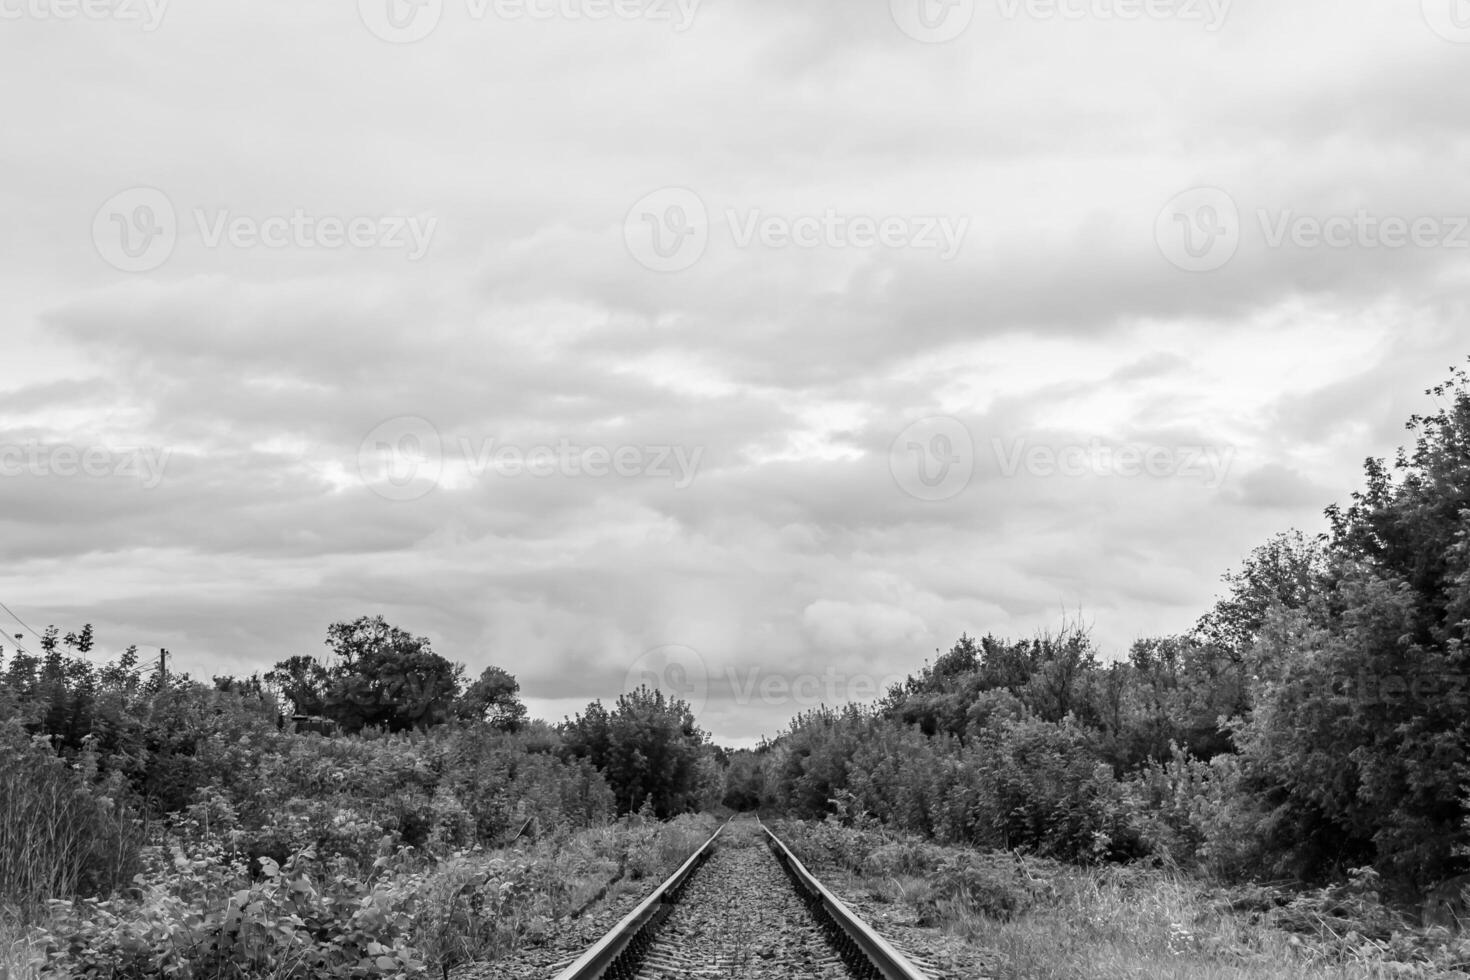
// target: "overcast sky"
[[757, 347]]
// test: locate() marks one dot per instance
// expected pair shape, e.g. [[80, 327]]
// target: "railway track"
[[742, 908]]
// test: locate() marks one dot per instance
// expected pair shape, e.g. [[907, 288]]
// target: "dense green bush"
[[650, 750]]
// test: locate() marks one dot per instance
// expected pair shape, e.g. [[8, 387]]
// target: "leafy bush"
[[992, 885], [1192, 813], [907, 856], [197, 918]]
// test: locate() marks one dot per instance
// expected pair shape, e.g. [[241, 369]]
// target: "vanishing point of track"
[[742, 908]]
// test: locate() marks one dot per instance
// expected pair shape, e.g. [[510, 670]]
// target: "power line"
[[22, 622], [139, 671]]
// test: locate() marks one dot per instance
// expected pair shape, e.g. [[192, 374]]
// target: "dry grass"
[[58, 834], [20, 954], [1044, 920], [1100, 925]]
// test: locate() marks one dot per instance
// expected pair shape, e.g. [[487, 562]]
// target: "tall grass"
[[1104, 925], [60, 835], [1050, 921], [21, 953]]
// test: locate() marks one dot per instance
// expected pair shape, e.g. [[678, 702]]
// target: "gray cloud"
[[794, 552]]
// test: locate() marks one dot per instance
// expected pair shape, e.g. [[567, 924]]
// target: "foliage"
[[493, 698], [385, 677], [61, 830], [1043, 918], [204, 914], [1312, 722], [649, 748]]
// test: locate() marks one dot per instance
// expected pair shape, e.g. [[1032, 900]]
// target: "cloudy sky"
[[756, 347]]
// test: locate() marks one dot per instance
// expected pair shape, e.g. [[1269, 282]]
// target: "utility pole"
[[162, 666]]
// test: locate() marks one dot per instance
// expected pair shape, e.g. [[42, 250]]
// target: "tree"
[[380, 676], [743, 781], [1412, 528], [1285, 572], [304, 681], [386, 677], [493, 698], [1359, 738], [648, 748]]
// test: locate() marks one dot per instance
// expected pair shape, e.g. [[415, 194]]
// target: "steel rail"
[[866, 953], [610, 956], [869, 956]]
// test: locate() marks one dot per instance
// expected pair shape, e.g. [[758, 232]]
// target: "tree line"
[[1315, 720]]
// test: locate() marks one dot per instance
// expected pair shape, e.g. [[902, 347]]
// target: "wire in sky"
[[21, 622]]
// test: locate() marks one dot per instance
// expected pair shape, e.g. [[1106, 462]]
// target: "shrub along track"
[[743, 908]]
